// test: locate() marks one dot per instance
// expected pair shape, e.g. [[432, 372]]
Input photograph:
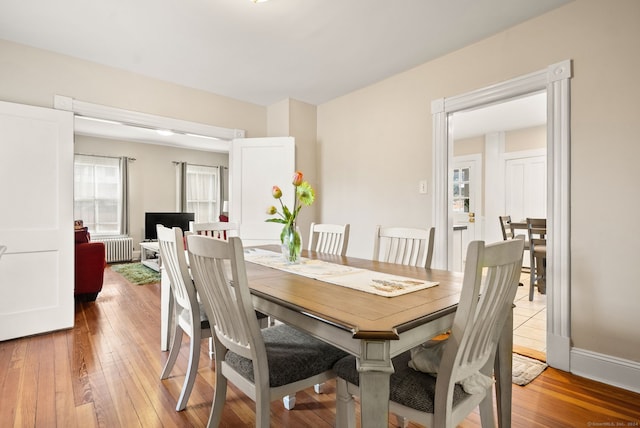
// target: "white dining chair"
[[404, 245], [265, 364], [218, 229], [329, 238], [188, 317], [440, 383]]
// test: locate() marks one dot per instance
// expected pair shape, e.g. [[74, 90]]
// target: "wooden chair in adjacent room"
[[265, 364], [329, 238], [537, 228], [505, 226], [404, 245], [188, 316], [462, 365]]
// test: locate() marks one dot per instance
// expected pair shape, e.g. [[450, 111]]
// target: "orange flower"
[[276, 192], [297, 178]]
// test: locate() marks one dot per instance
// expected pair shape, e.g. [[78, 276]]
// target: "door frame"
[[555, 79]]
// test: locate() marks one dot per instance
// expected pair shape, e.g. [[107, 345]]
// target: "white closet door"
[[255, 166], [526, 187], [36, 220]]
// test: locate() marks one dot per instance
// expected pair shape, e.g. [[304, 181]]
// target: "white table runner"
[[379, 283]]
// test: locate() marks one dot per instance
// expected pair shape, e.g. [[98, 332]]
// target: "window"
[[461, 190], [98, 193], [202, 192]]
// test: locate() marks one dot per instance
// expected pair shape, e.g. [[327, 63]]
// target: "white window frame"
[[208, 195], [96, 227]]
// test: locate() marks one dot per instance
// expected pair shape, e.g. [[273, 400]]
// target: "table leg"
[[375, 368], [503, 372]]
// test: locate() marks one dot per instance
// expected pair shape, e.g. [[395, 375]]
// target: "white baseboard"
[[607, 369]]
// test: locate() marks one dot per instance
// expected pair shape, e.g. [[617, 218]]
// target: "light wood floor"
[[530, 321], [105, 372]]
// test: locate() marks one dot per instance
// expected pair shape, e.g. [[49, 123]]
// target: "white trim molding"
[[555, 80], [143, 127], [607, 369]]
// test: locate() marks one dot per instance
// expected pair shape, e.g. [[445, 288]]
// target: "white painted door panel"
[[526, 187], [36, 220], [255, 166]]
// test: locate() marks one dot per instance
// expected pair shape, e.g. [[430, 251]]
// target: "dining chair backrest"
[[491, 278], [188, 317], [220, 265], [404, 245], [537, 233], [537, 228], [174, 262], [505, 226], [218, 229], [329, 238], [489, 287], [245, 353]]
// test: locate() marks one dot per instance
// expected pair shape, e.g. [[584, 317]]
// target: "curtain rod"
[[195, 164], [105, 156]]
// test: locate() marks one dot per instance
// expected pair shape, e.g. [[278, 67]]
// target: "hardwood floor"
[[105, 372]]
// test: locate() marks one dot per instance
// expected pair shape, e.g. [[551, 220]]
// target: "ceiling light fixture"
[[259, 1]]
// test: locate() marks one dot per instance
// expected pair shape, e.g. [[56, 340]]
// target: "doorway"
[[555, 80]]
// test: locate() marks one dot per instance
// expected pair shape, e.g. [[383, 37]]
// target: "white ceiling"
[[518, 113], [309, 50]]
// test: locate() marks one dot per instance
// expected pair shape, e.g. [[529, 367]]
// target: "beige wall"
[[152, 175], [33, 76], [293, 118], [375, 145], [526, 139]]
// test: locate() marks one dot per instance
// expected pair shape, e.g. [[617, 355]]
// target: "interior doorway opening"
[[555, 81]]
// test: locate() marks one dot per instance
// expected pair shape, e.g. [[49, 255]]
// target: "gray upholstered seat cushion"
[[292, 356], [408, 387]]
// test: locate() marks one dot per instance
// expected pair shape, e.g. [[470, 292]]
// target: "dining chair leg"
[[219, 397], [401, 421], [486, 411], [192, 370], [289, 401], [174, 350]]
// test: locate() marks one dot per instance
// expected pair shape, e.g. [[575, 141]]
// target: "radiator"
[[118, 249]]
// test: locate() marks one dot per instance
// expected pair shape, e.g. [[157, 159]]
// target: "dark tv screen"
[[180, 220]]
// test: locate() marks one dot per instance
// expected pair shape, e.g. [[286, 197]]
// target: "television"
[[180, 220]]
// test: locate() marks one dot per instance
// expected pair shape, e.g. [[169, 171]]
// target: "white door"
[[255, 166], [526, 187], [36, 220], [466, 206]]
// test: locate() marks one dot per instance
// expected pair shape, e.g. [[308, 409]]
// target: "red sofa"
[[90, 261]]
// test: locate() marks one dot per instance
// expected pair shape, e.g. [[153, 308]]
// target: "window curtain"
[[182, 186], [199, 191], [224, 188], [125, 221]]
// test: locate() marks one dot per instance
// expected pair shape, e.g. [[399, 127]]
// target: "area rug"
[[137, 273], [526, 369]]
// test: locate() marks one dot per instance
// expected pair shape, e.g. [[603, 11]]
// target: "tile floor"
[[530, 318]]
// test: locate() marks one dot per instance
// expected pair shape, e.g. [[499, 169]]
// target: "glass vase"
[[292, 244]]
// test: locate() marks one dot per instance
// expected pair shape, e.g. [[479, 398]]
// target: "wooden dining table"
[[373, 328]]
